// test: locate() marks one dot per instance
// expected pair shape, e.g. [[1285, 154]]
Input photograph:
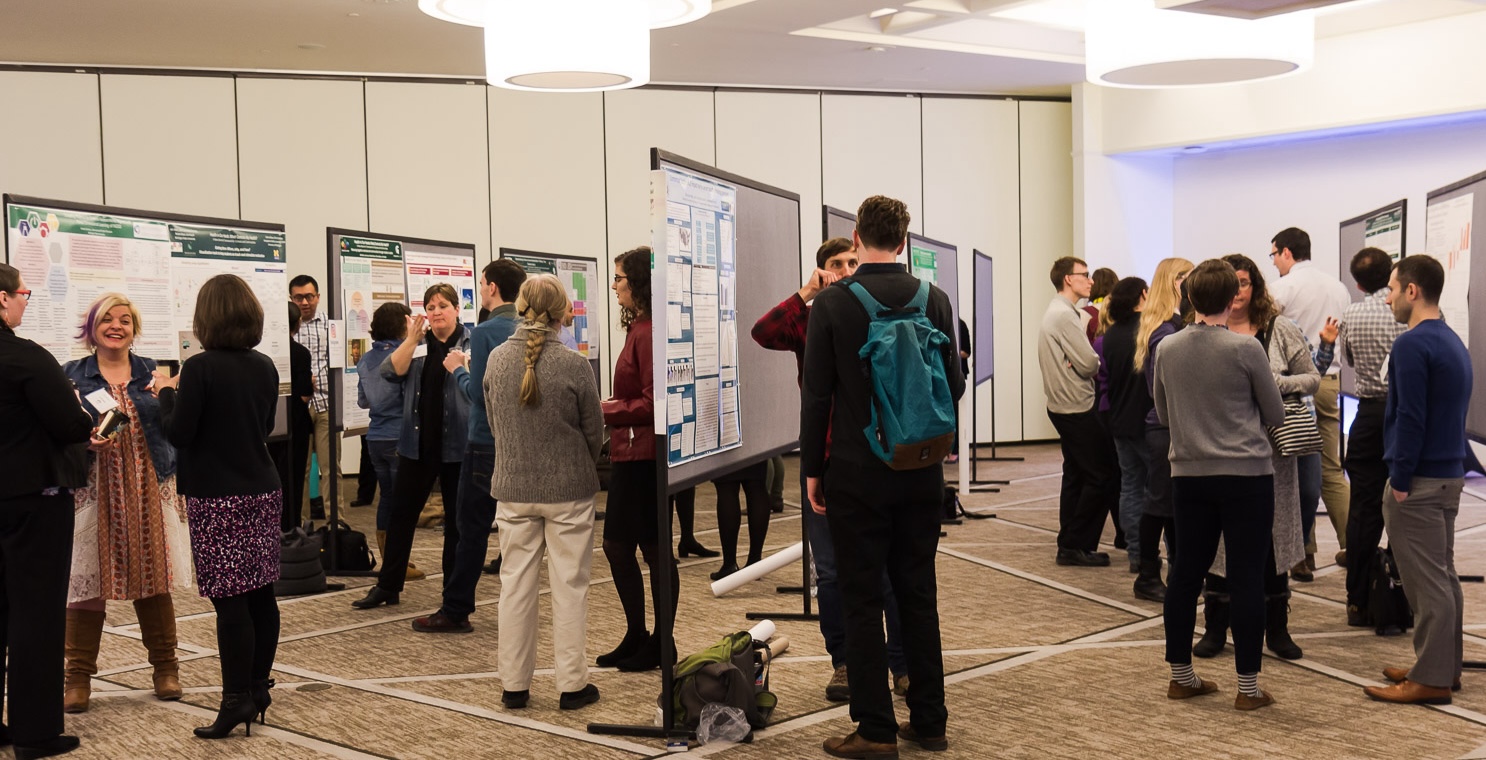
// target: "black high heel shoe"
[[725, 571], [261, 698], [376, 598], [691, 548], [237, 707]]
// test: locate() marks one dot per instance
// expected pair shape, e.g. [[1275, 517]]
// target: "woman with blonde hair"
[[1159, 319], [548, 427], [130, 541]]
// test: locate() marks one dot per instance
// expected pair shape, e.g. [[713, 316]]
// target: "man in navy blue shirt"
[[1429, 389]]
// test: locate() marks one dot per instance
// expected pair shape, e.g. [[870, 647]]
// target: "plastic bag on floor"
[[722, 724]]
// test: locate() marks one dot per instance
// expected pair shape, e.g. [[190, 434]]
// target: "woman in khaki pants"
[[548, 427]]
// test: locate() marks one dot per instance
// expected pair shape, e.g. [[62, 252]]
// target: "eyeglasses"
[[1078, 274], [305, 298], [619, 277], [26, 294]]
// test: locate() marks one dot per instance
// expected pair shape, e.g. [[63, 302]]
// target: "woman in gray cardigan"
[[548, 427], [1254, 313]]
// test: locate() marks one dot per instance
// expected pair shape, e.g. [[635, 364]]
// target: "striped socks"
[[1248, 683], [1183, 674]]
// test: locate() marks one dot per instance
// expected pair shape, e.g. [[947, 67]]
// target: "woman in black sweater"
[[219, 420]]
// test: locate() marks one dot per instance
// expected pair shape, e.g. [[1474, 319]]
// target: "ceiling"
[[954, 46]]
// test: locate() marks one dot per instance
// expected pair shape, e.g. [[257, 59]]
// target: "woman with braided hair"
[[548, 427]]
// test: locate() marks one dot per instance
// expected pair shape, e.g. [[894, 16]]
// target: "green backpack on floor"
[[726, 672]]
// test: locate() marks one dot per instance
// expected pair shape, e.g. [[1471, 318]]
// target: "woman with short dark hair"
[[219, 418], [383, 401]]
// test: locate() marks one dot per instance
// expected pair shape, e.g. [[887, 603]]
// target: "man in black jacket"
[[879, 517], [42, 414]]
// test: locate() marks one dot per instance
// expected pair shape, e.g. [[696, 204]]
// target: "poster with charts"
[[586, 291], [1447, 237], [371, 275], [1385, 232], [923, 263], [693, 227], [428, 268]]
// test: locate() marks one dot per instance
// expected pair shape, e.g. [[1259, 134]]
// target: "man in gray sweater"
[[1091, 472]]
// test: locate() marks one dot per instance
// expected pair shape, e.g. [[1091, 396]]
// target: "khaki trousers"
[[1335, 492], [320, 446], [565, 530]]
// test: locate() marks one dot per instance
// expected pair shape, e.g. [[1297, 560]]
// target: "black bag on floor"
[[351, 549], [300, 571], [951, 504], [1387, 607]]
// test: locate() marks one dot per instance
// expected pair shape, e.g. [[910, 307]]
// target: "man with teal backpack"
[[881, 372]]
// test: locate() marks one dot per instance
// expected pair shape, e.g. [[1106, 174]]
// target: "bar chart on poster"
[[586, 290]]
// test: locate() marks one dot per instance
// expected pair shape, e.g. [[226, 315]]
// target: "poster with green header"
[[580, 278], [371, 275], [923, 264]]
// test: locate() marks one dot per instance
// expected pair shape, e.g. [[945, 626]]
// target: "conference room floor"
[[1043, 661]]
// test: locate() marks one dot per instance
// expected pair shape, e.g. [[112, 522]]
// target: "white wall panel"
[[51, 136], [971, 200], [1047, 234], [774, 137], [872, 146], [426, 162], [170, 144]]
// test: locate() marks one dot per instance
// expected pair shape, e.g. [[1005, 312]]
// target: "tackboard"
[[947, 274], [1450, 241], [982, 284], [1384, 228], [837, 223], [768, 241], [583, 278]]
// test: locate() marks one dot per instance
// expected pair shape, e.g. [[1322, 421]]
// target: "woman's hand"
[[99, 445], [417, 326], [163, 380]]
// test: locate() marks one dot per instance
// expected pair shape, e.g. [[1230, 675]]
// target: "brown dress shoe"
[[1399, 675], [441, 623], [854, 746], [1245, 702], [1409, 693], [1176, 690], [907, 733]]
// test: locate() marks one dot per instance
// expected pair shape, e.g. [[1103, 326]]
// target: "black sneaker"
[[572, 700], [1081, 558], [515, 700]]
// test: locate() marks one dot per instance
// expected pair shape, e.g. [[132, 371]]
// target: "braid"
[[536, 338]]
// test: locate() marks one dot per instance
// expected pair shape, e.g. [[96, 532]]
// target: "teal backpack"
[[913, 413]]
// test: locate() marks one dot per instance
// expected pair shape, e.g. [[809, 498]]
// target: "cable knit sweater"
[[547, 452]]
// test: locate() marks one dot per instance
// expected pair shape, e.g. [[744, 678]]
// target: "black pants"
[[1241, 511], [1091, 480], [1369, 475], [409, 493], [247, 636], [292, 458], [35, 562], [366, 476], [885, 519]]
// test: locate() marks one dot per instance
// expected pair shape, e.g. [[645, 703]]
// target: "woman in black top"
[[219, 418], [42, 414]]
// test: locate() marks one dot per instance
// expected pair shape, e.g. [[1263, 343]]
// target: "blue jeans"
[[1135, 464], [828, 594], [384, 461], [476, 513], [1308, 470]]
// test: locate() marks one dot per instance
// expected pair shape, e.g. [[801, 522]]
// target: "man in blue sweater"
[[500, 282], [1429, 389]]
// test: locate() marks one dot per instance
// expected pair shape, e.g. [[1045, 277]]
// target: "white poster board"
[[1447, 237]]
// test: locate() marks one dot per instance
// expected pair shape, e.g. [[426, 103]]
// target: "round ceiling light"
[[567, 45], [1131, 43], [662, 13]]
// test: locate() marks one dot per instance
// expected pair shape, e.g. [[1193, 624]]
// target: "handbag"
[[1298, 434], [351, 549]]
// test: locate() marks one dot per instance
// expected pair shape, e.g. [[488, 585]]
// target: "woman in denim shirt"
[[435, 422], [130, 541], [385, 400]]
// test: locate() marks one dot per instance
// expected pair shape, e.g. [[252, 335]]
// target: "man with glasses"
[[1091, 474], [314, 334]]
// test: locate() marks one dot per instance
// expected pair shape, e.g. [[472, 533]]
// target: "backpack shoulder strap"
[[872, 305], [921, 298]]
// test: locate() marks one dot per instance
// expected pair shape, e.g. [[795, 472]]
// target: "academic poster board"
[[939, 263], [1451, 213], [71, 253], [983, 285], [583, 280], [765, 234], [368, 269], [1384, 228], [837, 223]]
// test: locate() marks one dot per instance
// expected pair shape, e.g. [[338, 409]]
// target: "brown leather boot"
[[84, 634], [413, 573], [157, 628], [854, 746]]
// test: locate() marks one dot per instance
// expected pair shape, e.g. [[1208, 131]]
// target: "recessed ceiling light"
[[1195, 149], [354, 15], [877, 49], [1063, 14], [311, 46], [880, 12]]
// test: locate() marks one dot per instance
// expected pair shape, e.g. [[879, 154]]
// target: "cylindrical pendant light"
[[567, 45], [1131, 43], [663, 13]]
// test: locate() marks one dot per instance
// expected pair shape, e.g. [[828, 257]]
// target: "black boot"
[[633, 641], [1148, 585], [237, 707], [376, 597], [690, 547], [725, 571], [1215, 615], [1277, 627], [647, 657], [261, 697], [57, 745]]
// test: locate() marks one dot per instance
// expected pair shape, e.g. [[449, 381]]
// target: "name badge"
[[102, 401], [421, 351]]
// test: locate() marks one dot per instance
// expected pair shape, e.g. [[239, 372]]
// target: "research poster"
[[371, 275], [923, 264], [698, 244], [580, 277], [1385, 232], [428, 268], [1447, 237]]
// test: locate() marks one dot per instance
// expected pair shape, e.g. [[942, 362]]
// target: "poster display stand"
[[582, 277]]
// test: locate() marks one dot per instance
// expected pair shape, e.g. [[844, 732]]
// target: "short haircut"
[[302, 280], [294, 317], [10, 278], [507, 277], [390, 321], [882, 222], [442, 290], [1103, 281], [1212, 286], [1297, 240], [1062, 268], [228, 315], [1425, 272], [1370, 268], [832, 247], [1124, 297], [102, 306]]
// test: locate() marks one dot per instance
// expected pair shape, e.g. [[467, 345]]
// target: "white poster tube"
[[758, 570], [763, 631]]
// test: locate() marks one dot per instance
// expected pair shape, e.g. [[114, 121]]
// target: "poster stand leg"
[[976, 484], [804, 588], [664, 619], [333, 511]]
